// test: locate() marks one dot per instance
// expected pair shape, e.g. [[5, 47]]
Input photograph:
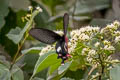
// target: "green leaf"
[[100, 22], [41, 19], [36, 78], [3, 11], [89, 6], [74, 74], [17, 73], [17, 5], [64, 67], [4, 72], [30, 61], [45, 61], [16, 34], [66, 78], [53, 3], [115, 72], [77, 63], [31, 50], [53, 68]]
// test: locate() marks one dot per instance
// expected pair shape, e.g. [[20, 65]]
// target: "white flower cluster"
[[117, 39], [97, 44], [117, 36], [46, 49], [90, 55], [111, 27], [85, 33], [37, 8], [82, 34], [108, 47]]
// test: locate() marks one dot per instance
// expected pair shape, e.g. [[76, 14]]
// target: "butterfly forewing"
[[65, 22], [44, 35]]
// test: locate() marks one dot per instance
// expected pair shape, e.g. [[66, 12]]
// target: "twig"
[[102, 67], [93, 68]]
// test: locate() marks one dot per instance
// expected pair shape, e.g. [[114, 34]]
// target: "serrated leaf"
[[16, 34], [115, 72], [3, 11], [31, 49], [45, 61], [64, 67]]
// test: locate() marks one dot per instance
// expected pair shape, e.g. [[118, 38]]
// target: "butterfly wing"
[[44, 35], [65, 22]]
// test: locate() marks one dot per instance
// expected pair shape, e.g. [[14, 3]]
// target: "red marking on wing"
[[68, 55], [66, 41]]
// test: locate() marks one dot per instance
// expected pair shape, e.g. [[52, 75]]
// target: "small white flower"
[[96, 29], [84, 37], [82, 29], [111, 26], [117, 33], [117, 39], [39, 9], [109, 68], [97, 44], [73, 32], [106, 42], [59, 32], [71, 46], [97, 73], [30, 8], [92, 52], [73, 40], [116, 23], [107, 47], [84, 50], [46, 49], [102, 30], [89, 59]]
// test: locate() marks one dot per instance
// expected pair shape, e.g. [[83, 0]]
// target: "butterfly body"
[[50, 37]]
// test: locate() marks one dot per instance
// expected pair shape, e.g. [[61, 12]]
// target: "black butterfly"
[[50, 37]]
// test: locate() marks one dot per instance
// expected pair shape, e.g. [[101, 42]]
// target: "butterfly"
[[50, 37]]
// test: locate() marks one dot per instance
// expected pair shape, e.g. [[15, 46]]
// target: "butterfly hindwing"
[[44, 35]]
